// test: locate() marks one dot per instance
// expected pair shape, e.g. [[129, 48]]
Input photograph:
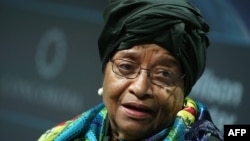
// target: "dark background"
[[50, 69]]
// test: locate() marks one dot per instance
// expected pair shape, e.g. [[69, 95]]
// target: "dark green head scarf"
[[176, 25]]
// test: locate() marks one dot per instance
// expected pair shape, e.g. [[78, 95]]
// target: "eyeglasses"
[[159, 76]]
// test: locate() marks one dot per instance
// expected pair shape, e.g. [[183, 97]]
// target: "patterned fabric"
[[193, 123]]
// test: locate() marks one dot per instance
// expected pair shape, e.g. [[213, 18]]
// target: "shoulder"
[[204, 130], [213, 138], [71, 127], [54, 131]]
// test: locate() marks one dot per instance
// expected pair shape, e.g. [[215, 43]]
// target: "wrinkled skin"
[[125, 98]]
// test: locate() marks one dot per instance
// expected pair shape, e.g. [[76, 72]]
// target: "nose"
[[141, 85]]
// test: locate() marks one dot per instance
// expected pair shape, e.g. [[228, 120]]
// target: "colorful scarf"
[[193, 123]]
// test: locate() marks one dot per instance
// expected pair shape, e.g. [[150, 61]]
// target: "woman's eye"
[[126, 67], [164, 73]]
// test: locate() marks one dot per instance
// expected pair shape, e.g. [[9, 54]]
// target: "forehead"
[[148, 51], [139, 49]]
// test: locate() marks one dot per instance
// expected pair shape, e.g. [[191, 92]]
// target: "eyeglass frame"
[[137, 72]]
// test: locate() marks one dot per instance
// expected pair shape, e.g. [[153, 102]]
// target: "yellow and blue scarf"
[[192, 123]]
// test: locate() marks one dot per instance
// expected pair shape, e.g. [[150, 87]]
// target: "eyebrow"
[[128, 53], [135, 54]]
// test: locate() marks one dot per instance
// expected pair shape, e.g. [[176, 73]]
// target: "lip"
[[137, 111]]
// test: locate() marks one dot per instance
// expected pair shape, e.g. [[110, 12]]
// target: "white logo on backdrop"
[[222, 94], [52, 45], [49, 69]]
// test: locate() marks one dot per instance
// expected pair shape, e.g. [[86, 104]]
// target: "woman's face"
[[141, 106]]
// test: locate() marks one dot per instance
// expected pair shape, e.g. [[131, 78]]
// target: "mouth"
[[137, 111]]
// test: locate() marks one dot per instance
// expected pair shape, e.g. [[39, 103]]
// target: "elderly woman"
[[152, 52]]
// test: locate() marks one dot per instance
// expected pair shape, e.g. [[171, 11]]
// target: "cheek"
[[113, 87], [169, 106]]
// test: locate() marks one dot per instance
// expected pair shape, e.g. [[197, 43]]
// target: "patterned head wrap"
[[176, 25]]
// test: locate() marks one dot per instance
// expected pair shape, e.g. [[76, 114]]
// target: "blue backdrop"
[[50, 69]]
